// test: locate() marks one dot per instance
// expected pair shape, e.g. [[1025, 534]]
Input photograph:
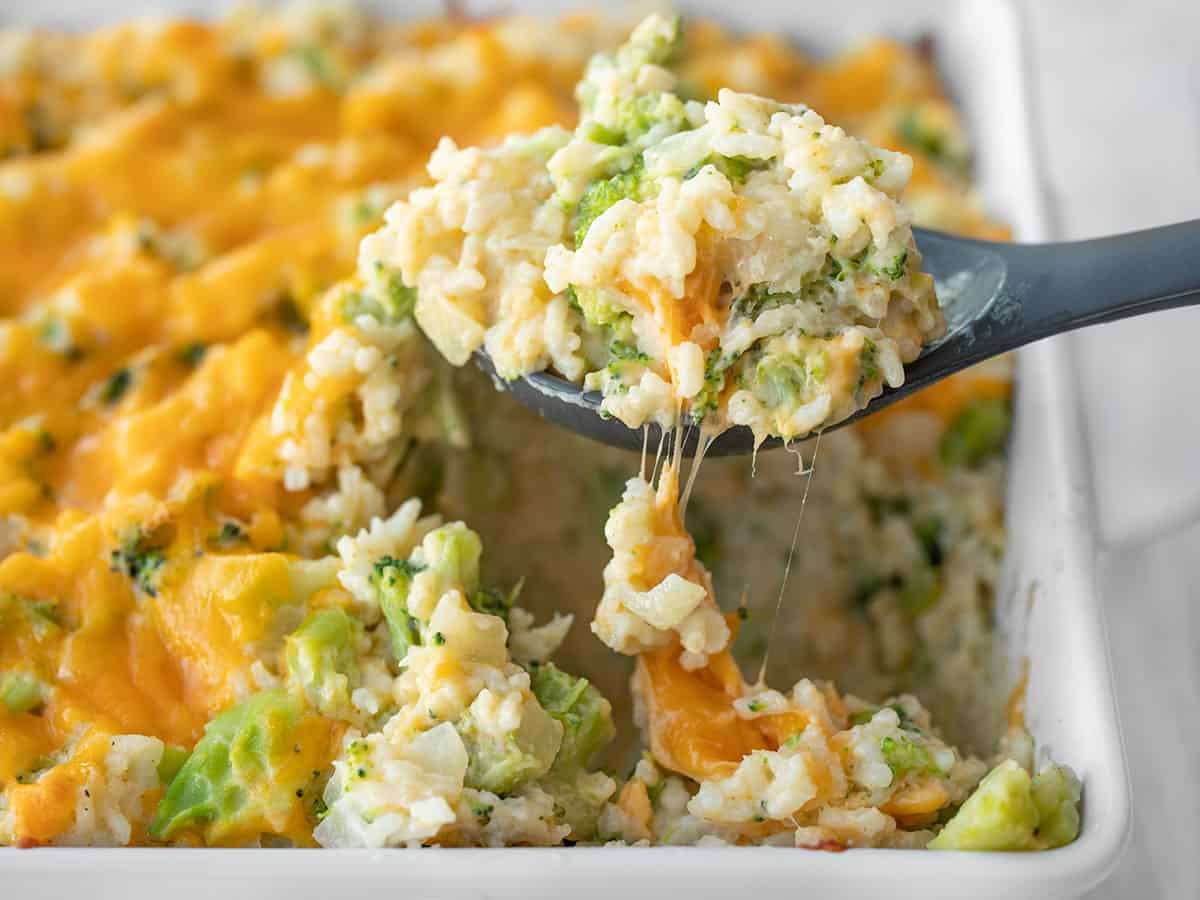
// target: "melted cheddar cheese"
[[181, 205]]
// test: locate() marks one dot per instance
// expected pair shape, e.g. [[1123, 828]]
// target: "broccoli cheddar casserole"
[[277, 569]]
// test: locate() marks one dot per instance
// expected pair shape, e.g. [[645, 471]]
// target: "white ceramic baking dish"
[[1049, 611]]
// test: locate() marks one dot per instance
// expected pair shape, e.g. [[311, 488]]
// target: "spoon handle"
[[1068, 285]]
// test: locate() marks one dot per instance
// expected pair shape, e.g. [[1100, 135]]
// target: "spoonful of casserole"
[[740, 266]]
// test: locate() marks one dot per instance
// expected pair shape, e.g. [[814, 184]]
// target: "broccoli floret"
[[904, 755], [320, 659], [20, 693], [656, 41], [237, 777], [116, 387], [896, 269], [999, 815], [585, 714], [736, 168], [637, 116], [1011, 811], [136, 559], [759, 298], [604, 192], [781, 379], [392, 580], [868, 363], [626, 352], [977, 433], [1056, 795], [495, 602], [453, 551], [394, 306], [172, 761], [501, 764], [920, 590], [708, 398]]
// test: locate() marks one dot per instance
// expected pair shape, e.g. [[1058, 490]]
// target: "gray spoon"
[[995, 296]]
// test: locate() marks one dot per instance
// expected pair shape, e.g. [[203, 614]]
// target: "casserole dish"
[[1047, 616]]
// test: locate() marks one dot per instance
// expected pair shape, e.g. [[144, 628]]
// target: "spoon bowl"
[[995, 297]]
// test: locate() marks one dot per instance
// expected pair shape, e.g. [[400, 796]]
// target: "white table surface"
[[1117, 87]]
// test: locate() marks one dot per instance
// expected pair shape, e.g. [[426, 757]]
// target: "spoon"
[[995, 297]]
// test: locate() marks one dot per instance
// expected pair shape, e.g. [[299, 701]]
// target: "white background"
[[1118, 93]]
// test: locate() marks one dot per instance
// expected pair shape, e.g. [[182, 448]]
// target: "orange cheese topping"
[[169, 229]]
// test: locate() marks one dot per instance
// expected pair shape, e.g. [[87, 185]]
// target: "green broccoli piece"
[[501, 764], [604, 192], [453, 551], [978, 432], [1011, 811], [320, 659], [736, 168], [494, 601], [904, 755], [172, 761], [234, 776], [638, 115], [392, 580], [391, 308], [709, 397], [999, 815], [1056, 795], [116, 387], [898, 266], [648, 46], [20, 693], [920, 590], [585, 714], [781, 379], [137, 560]]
